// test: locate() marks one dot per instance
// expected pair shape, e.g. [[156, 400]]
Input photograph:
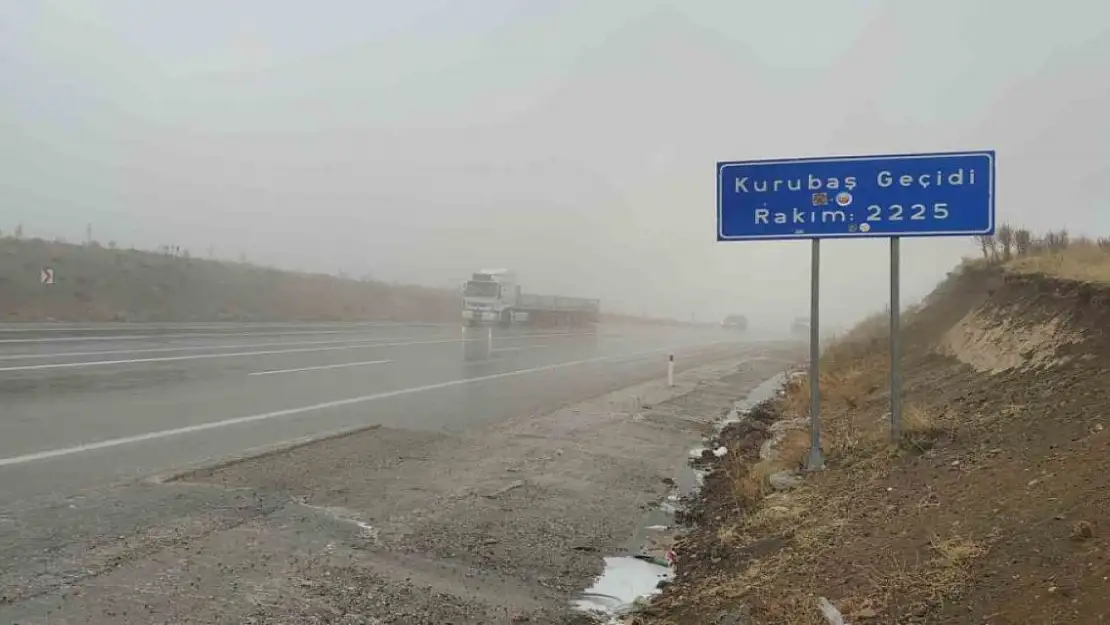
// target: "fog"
[[571, 140]]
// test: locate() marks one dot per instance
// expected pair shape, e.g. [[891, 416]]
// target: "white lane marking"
[[322, 367], [198, 348], [132, 361], [137, 337], [262, 325], [202, 335], [385, 341], [267, 352], [211, 425], [517, 349]]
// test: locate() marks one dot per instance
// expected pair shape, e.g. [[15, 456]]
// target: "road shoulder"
[[502, 522]]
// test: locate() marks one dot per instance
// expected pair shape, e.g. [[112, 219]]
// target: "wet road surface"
[[88, 405]]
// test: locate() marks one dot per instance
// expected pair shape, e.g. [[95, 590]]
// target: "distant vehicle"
[[735, 322], [493, 296], [800, 327]]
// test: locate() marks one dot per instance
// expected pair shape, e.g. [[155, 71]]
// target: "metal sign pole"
[[816, 462], [895, 338]]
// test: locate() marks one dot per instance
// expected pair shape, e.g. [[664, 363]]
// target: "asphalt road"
[[89, 405]]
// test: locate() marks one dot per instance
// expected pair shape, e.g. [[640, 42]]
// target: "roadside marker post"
[[670, 369], [880, 196]]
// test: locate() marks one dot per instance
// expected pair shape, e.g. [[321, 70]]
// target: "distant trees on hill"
[[1008, 242]]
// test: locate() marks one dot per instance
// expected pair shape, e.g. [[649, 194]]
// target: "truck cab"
[[490, 296]]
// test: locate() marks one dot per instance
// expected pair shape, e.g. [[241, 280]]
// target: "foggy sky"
[[572, 140]]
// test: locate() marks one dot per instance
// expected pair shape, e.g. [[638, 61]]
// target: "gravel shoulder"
[[498, 524]]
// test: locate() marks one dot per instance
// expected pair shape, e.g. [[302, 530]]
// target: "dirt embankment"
[[104, 284], [94, 283], [992, 508]]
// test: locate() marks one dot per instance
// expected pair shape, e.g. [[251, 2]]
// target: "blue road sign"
[[944, 194]]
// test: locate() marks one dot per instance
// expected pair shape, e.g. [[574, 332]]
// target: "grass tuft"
[[1082, 260], [920, 428]]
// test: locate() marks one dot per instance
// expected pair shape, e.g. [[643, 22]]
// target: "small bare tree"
[[1006, 239], [1022, 241], [1055, 241], [989, 245], [981, 239]]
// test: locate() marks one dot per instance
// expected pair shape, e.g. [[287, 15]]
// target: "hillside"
[[101, 284], [991, 508], [94, 283]]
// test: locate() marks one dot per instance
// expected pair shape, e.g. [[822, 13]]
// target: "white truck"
[[493, 296]]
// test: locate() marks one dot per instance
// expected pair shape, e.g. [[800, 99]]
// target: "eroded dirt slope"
[[991, 509]]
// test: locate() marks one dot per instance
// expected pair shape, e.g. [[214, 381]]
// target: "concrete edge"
[[253, 453]]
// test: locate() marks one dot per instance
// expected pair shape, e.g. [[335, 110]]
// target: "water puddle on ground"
[[644, 565], [625, 581], [365, 531]]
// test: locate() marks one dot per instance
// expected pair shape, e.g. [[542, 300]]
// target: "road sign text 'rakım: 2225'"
[[945, 194]]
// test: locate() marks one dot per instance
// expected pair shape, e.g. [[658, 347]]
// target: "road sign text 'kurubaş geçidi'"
[[894, 196], [946, 194]]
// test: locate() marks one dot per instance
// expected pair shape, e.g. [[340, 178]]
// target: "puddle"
[[342, 515], [625, 581], [768, 389], [634, 575]]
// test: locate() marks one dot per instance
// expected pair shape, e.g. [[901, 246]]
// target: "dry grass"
[[855, 523], [921, 427], [819, 518], [859, 339], [904, 585], [815, 522], [847, 387], [793, 450], [844, 384], [795, 402], [848, 427], [748, 486], [1081, 260], [957, 551], [771, 518], [893, 586], [750, 482]]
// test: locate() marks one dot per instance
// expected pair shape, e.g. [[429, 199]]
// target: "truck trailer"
[[494, 297]]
